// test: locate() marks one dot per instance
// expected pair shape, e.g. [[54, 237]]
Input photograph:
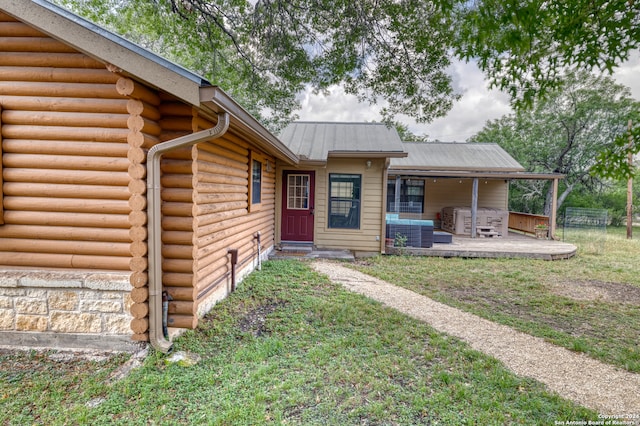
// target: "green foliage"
[[400, 240], [565, 133], [525, 47], [613, 161], [264, 53], [611, 196], [178, 34], [405, 134]]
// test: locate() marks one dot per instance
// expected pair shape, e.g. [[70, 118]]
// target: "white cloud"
[[477, 105], [628, 74], [336, 106], [468, 116]]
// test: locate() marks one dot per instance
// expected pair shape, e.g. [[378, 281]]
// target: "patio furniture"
[[419, 233]]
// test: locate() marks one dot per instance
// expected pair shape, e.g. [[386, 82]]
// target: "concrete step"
[[289, 247]]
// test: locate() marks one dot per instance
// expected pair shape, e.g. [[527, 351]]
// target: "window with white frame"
[[256, 162]]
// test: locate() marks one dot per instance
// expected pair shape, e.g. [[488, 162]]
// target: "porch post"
[[554, 207], [474, 207], [397, 195]]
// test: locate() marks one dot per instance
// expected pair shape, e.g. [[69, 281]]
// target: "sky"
[[467, 117]]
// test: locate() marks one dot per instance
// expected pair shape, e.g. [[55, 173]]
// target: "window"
[[255, 181], [410, 199], [297, 192], [344, 201]]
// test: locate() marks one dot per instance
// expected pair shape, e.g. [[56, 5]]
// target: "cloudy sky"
[[466, 118]]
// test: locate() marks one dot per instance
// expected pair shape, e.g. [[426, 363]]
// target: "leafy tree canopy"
[[266, 52], [526, 46], [396, 53], [566, 133]]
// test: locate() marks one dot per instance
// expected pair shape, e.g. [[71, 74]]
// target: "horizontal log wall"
[[74, 139], [52, 115], [177, 215], [221, 213]]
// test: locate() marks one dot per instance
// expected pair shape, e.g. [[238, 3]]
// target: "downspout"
[[154, 217]]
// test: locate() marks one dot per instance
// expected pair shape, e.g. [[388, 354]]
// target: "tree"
[[265, 52], [391, 52], [406, 135], [526, 46], [563, 133]]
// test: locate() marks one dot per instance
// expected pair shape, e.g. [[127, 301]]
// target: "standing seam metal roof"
[[123, 42], [315, 141], [456, 156]]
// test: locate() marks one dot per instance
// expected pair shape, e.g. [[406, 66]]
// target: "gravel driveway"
[[590, 383]]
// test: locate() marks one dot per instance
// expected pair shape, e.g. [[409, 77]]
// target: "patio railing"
[[526, 222]]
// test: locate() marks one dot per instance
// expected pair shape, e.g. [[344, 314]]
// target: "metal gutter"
[[367, 154], [156, 336], [474, 174]]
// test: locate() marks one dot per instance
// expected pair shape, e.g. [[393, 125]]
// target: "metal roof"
[[316, 141], [468, 157], [127, 44]]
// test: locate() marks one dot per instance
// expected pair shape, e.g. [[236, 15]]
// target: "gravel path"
[[590, 383]]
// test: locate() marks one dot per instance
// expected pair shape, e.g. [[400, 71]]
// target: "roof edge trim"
[[216, 100], [109, 47], [367, 154]]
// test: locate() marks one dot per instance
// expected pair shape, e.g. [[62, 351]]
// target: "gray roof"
[[106, 46], [127, 44], [437, 156], [316, 141]]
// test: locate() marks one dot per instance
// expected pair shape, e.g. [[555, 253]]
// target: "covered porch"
[[464, 189]]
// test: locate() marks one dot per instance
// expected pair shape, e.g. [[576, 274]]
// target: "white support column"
[[554, 207]]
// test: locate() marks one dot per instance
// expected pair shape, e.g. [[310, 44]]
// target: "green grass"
[[288, 347], [528, 294]]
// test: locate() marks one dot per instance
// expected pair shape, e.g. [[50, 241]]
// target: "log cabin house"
[[135, 194], [124, 177]]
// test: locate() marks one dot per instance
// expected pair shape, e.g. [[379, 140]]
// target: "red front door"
[[297, 206]]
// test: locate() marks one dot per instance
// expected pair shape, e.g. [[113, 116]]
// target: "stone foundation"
[[76, 303]]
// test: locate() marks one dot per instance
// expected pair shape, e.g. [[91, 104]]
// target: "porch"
[[512, 245]]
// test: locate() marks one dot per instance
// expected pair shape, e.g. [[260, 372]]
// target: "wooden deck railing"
[[526, 222]]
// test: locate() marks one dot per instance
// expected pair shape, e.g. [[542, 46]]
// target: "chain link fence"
[[587, 227]]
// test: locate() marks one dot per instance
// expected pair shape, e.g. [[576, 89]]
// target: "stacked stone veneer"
[[65, 302]]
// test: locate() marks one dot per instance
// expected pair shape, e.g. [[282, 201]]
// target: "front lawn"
[[590, 303], [288, 347]]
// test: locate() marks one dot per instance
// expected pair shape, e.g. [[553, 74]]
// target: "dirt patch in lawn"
[[254, 320], [598, 290]]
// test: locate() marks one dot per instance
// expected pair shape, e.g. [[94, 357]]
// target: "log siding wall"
[[205, 213], [74, 139], [74, 136], [68, 193]]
